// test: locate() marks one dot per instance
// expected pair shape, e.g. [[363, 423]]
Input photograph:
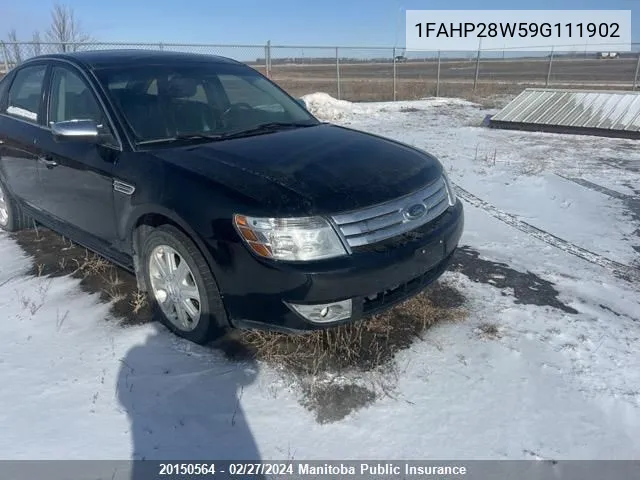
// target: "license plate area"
[[430, 255]]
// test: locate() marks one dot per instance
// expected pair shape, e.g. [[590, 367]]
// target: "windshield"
[[199, 101]]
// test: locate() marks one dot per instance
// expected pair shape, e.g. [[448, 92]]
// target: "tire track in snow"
[[621, 270], [598, 188], [632, 166]]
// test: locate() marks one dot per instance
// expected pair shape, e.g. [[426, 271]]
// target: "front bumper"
[[375, 277]]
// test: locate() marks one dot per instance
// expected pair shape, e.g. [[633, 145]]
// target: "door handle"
[[48, 162]]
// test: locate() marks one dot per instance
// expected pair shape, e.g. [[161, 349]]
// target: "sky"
[[285, 22]]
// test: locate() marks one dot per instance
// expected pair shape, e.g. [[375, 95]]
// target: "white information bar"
[[526, 30]]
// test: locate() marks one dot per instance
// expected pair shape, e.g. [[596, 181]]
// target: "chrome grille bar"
[[387, 220]]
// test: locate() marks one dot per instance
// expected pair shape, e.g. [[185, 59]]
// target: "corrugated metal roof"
[[595, 110]]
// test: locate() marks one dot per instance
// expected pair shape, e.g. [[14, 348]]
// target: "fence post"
[[546, 84], [394, 74], [5, 54], [635, 78], [338, 71], [438, 77], [268, 58], [475, 80]]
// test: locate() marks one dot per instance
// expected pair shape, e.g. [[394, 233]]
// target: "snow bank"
[[330, 109], [442, 101], [327, 108]]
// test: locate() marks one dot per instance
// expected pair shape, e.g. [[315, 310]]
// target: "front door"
[[77, 177]]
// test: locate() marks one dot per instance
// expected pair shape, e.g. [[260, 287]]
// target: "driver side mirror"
[[76, 130], [302, 103]]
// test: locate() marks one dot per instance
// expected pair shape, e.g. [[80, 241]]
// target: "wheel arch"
[[146, 220]]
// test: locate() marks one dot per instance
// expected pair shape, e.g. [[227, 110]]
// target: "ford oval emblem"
[[413, 212]]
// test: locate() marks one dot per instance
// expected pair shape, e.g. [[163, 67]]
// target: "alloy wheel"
[[174, 287]]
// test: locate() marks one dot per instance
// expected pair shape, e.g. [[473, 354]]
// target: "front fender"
[[137, 218]]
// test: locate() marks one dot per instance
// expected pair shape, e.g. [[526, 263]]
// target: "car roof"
[[94, 59]]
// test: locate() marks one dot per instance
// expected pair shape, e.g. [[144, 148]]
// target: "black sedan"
[[232, 204]]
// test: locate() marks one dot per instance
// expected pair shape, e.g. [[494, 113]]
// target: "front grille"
[[387, 220]]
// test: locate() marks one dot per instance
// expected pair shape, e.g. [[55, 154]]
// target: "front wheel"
[[181, 287]]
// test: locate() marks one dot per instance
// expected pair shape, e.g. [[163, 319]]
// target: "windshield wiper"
[[182, 137], [266, 128], [257, 130]]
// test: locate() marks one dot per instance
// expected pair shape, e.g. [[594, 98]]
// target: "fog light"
[[323, 312]]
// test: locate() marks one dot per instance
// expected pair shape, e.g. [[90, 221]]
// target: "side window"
[[25, 94], [72, 99], [239, 90]]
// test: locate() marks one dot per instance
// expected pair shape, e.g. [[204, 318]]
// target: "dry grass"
[[92, 264], [364, 345], [489, 330], [381, 90], [489, 93], [138, 302]]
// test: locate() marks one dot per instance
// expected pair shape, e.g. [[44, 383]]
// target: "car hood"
[[322, 169]]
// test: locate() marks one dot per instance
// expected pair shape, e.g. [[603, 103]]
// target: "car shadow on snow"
[[184, 404], [183, 401]]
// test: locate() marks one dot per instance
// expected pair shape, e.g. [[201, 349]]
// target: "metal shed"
[[586, 112]]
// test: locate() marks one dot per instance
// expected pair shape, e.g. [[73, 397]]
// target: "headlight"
[[306, 238], [450, 189]]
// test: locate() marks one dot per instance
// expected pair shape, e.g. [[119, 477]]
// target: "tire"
[[12, 218], [170, 291]]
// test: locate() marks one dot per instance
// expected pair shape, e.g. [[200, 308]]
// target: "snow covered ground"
[[551, 382]]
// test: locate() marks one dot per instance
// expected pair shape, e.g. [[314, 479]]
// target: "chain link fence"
[[384, 74]]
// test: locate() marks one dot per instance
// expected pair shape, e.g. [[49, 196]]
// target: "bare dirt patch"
[[56, 256], [332, 402], [489, 330], [528, 288]]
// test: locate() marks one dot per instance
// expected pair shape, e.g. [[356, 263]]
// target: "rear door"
[[77, 177], [22, 131]]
